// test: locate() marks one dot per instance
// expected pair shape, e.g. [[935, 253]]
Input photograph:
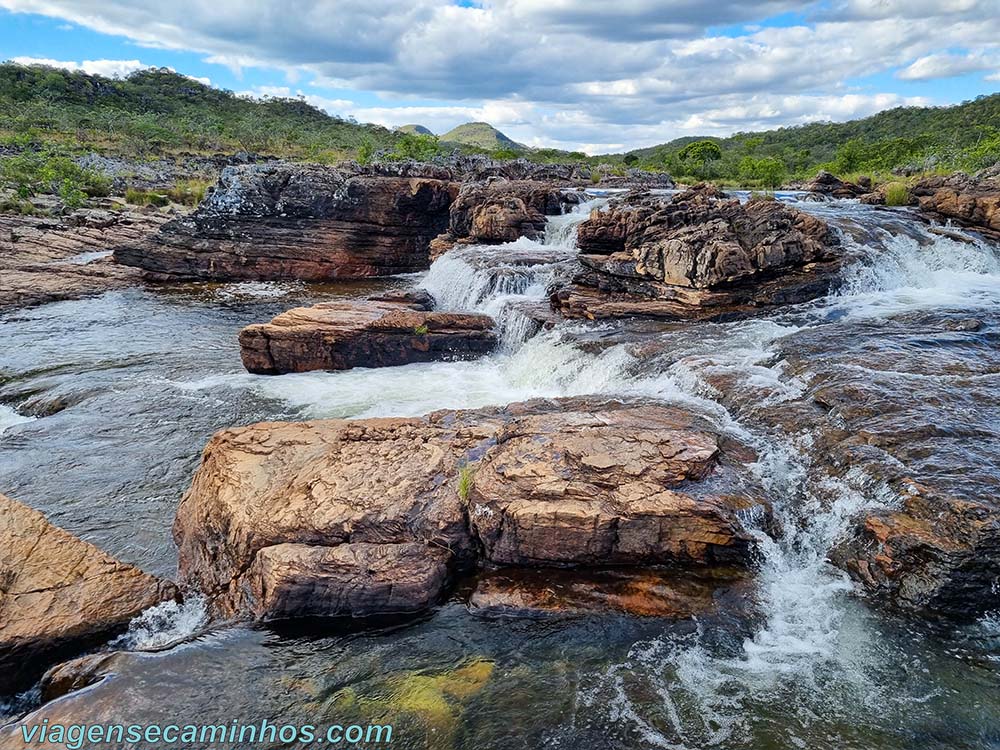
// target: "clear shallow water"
[[143, 377]]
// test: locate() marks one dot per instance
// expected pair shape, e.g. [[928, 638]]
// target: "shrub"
[[897, 194], [33, 172], [189, 192], [139, 197]]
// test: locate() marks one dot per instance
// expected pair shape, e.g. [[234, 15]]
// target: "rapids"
[[105, 404]]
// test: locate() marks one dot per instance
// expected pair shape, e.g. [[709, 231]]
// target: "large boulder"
[[697, 254], [342, 517], [59, 594], [971, 201], [830, 185], [309, 222], [498, 210], [342, 335]]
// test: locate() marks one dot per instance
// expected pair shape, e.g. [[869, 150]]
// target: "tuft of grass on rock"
[[897, 194], [465, 479], [420, 330]]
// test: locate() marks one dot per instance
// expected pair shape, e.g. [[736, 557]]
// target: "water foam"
[[164, 625]]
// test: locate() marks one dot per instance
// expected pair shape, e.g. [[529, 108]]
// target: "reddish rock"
[[971, 201], [359, 517], [827, 184], [59, 594], [342, 335], [307, 222]]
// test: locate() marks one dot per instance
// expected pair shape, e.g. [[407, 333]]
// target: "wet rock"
[[342, 335], [418, 299], [697, 254], [370, 516], [970, 201], [825, 183], [77, 674], [59, 594], [627, 486], [307, 222], [533, 592], [497, 211], [45, 259]]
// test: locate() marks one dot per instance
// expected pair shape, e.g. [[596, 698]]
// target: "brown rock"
[[77, 674], [59, 594], [360, 517], [40, 257], [342, 335], [308, 222], [696, 255], [827, 184], [971, 201], [497, 211], [627, 486]]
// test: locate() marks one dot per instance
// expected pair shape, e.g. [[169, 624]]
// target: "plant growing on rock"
[[466, 476]]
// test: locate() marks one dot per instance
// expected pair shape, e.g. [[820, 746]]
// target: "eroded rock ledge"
[[59, 594], [342, 335], [971, 201], [697, 254], [363, 517], [280, 221]]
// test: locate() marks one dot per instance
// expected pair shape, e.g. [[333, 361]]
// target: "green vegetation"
[[158, 111], [465, 478], [896, 194], [483, 136], [45, 171], [420, 330], [905, 139]]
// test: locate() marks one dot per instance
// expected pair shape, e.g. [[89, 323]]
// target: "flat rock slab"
[[59, 593], [342, 335], [361, 517]]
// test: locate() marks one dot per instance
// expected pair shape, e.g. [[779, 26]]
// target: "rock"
[[77, 674], [59, 594], [341, 335], [970, 201], [697, 254], [281, 221], [628, 486], [534, 592], [827, 184], [497, 211], [418, 299], [45, 259], [341, 517]]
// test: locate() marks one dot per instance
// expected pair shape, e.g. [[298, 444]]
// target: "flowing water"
[[106, 403]]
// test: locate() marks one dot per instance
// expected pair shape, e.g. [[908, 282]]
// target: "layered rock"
[[45, 259], [827, 184], [970, 201], [308, 222], [374, 516], [496, 211], [341, 335], [697, 254], [59, 594]]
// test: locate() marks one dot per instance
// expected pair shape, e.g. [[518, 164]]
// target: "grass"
[[189, 192], [465, 478], [897, 194], [420, 330], [138, 197]]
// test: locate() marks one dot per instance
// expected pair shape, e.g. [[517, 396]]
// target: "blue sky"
[[576, 74]]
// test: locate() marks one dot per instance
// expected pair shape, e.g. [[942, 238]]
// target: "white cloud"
[[573, 73], [109, 68]]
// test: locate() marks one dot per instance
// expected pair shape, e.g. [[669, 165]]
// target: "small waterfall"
[[501, 280]]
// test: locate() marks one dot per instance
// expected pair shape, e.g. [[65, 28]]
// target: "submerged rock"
[[342, 335], [280, 221], [59, 594], [697, 254], [358, 517], [497, 211]]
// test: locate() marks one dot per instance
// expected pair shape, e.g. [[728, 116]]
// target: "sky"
[[593, 75]]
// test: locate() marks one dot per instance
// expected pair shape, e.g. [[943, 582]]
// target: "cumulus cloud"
[[109, 68], [574, 72]]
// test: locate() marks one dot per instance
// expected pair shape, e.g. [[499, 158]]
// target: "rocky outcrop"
[[341, 335], [970, 201], [59, 594], [496, 211], [827, 184], [375, 516], [697, 254], [307, 222], [49, 258]]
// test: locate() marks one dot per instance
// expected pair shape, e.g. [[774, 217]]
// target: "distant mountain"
[[481, 135], [414, 130]]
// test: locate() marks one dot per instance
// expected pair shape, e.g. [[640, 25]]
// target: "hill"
[[964, 136], [481, 135], [414, 130], [158, 110]]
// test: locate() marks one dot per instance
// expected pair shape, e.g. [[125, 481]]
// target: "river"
[[105, 404]]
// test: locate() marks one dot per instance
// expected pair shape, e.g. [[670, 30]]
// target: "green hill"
[[481, 135], [414, 130], [965, 136], [157, 110]]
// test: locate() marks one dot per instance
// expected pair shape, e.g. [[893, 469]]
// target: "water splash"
[[164, 625]]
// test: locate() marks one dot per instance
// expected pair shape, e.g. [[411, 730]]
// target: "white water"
[[164, 625], [10, 418]]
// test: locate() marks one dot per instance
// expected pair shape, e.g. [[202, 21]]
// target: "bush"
[[897, 194], [189, 192], [34, 172], [139, 197]]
